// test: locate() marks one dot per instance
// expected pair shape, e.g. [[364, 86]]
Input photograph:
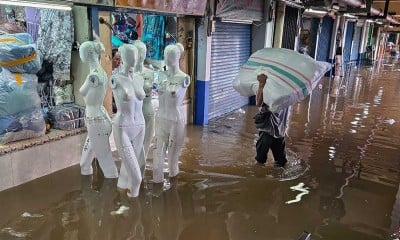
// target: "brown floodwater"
[[342, 180]]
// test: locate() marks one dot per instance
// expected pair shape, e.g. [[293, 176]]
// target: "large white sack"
[[291, 76]]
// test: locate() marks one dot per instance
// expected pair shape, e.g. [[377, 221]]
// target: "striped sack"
[[291, 76]]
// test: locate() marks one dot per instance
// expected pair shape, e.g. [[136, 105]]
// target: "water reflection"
[[342, 179]]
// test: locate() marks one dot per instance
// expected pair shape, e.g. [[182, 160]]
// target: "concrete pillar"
[[333, 47], [377, 44], [363, 43], [397, 38], [202, 83], [106, 58], [279, 24], [317, 40], [79, 71]]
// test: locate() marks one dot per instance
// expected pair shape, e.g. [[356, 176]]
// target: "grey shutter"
[[356, 43], [290, 28], [348, 41], [230, 49], [324, 40]]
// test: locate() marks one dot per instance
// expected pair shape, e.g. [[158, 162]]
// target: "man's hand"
[[262, 79]]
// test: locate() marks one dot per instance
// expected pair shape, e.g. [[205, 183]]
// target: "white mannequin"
[[148, 111], [129, 124], [97, 121], [170, 122]]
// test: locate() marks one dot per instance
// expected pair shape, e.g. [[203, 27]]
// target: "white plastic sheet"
[[291, 76], [18, 53], [20, 111]]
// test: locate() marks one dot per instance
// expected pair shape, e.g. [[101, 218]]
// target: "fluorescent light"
[[349, 15], [312, 11], [67, 7], [369, 20], [237, 21], [380, 23]]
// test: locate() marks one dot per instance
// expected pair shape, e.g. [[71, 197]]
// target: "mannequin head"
[[90, 51], [129, 55], [142, 49], [172, 54]]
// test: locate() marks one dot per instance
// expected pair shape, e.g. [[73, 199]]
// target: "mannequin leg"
[[130, 175], [174, 149], [123, 174], [158, 160], [138, 146], [149, 133], [87, 158], [99, 133]]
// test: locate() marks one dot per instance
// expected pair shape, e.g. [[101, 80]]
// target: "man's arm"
[[262, 79]]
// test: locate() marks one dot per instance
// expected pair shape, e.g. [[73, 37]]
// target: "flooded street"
[[341, 182]]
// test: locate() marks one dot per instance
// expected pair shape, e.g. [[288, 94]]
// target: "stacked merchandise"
[[67, 117], [20, 109]]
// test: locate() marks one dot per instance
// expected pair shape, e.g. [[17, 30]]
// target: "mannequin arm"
[[91, 81]]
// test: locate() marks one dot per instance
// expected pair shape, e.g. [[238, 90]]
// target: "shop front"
[[41, 42], [229, 48]]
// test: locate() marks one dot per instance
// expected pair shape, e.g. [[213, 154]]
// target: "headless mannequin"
[[170, 123], [129, 124], [97, 121], [148, 111]]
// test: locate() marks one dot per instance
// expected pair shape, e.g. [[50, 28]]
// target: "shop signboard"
[[248, 10], [187, 7]]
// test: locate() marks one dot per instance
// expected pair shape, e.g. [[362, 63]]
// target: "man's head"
[[116, 58]]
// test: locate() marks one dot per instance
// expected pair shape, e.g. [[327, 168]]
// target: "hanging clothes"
[[56, 35], [32, 21], [153, 35]]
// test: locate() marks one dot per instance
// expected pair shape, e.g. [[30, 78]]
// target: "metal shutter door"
[[356, 43], [324, 41], [230, 49], [290, 28], [348, 41]]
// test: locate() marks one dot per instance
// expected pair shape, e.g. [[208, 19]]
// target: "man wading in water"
[[271, 135]]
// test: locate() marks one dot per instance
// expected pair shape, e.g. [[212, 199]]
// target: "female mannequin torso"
[[129, 123], [94, 92], [170, 122], [172, 90], [128, 98], [98, 123]]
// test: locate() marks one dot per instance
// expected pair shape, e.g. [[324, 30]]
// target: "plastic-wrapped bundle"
[[18, 54], [291, 76], [20, 111], [66, 117]]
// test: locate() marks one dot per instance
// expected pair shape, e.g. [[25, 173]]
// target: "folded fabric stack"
[[67, 117], [21, 116]]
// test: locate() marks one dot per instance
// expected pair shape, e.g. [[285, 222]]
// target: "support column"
[[317, 40], [377, 44], [203, 61], [279, 24], [363, 43], [333, 47]]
